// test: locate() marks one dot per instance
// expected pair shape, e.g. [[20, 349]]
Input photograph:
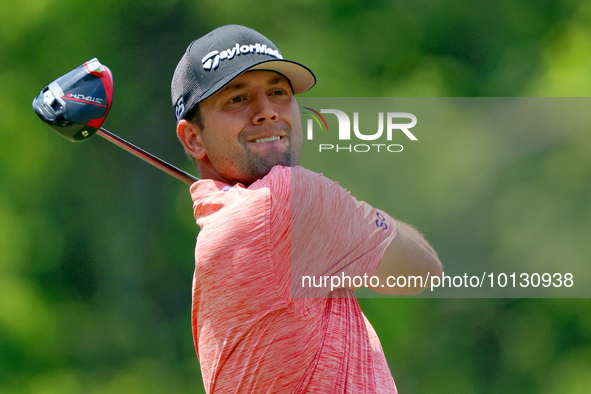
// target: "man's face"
[[247, 128]]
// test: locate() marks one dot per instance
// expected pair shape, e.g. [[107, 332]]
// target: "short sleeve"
[[332, 235]]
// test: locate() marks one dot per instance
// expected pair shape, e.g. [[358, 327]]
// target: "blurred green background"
[[96, 247]]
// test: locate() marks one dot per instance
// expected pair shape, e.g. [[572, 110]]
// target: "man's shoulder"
[[292, 174], [281, 177]]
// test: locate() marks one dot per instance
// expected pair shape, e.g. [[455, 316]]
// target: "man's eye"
[[278, 92], [235, 100]]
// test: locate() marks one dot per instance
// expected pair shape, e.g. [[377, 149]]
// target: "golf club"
[[76, 105]]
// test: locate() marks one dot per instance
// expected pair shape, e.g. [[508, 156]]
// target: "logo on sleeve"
[[381, 221]]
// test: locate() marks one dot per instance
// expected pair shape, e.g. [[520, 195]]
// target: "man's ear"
[[190, 136]]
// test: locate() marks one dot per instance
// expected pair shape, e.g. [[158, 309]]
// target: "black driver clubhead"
[[76, 104]]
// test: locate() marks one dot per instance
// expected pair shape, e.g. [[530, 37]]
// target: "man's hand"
[[408, 255]]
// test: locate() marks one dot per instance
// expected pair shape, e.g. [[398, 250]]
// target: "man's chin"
[[259, 167]]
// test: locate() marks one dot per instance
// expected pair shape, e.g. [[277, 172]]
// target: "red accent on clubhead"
[[107, 80], [84, 101]]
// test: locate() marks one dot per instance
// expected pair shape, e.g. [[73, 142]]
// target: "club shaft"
[[148, 157]]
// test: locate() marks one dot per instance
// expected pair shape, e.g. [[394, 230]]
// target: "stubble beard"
[[249, 167], [255, 167]]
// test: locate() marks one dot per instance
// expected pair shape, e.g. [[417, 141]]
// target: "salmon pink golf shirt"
[[256, 327]]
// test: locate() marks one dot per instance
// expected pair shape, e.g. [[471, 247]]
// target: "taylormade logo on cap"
[[212, 60]]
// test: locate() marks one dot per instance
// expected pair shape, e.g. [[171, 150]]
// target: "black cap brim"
[[299, 76]]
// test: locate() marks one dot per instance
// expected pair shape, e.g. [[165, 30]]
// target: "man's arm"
[[408, 255]]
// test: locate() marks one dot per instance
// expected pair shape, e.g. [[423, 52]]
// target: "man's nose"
[[264, 110]]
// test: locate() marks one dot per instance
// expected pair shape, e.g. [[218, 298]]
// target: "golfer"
[[266, 222]]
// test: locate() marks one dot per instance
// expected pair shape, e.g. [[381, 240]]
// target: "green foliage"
[[96, 247]]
